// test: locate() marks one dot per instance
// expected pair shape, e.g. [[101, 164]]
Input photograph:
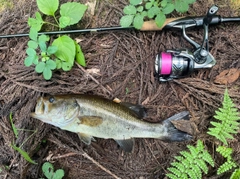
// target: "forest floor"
[[124, 62]]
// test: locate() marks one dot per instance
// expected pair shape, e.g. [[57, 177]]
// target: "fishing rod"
[[174, 63]]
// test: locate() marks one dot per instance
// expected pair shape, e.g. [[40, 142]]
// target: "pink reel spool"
[[166, 63]]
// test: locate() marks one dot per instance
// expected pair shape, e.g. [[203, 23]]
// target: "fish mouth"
[[39, 109]]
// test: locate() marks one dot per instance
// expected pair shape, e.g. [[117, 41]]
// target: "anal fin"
[[126, 145]]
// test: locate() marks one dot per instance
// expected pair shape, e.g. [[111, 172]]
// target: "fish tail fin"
[[173, 134]]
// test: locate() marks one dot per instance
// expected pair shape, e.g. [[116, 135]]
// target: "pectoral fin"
[[91, 120], [137, 109], [85, 138], [126, 145]]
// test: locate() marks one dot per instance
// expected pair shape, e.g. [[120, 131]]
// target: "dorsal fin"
[[137, 109]]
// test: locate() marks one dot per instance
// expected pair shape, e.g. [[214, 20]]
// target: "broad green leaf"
[[58, 64], [144, 13], [80, 59], [138, 21], [48, 170], [40, 67], [181, 6], [58, 174], [153, 11], [51, 50], [129, 10], [32, 44], [126, 21], [15, 131], [71, 13], [160, 19], [47, 73], [43, 38], [36, 23], [24, 154], [66, 49], [31, 52], [51, 64], [33, 34], [135, 2], [66, 66], [48, 7], [168, 9], [148, 5]]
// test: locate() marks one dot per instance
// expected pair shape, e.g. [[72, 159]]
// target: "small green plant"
[[63, 51], [228, 124], [138, 10], [191, 164], [48, 171], [229, 164], [18, 149]]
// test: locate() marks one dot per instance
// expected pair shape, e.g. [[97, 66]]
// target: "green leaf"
[[160, 19], [51, 64], [58, 174], [135, 2], [37, 22], [15, 131], [43, 38], [181, 6], [168, 9], [80, 59], [51, 50], [164, 3], [153, 11], [58, 64], [33, 34], [48, 7], [47, 73], [129, 10], [66, 66], [71, 13], [32, 44], [42, 46], [126, 21], [48, 170], [31, 52], [140, 8], [138, 21], [24, 154], [31, 60], [40, 67], [148, 5], [66, 49], [144, 13]]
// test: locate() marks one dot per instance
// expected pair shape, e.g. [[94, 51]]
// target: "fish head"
[[56, 110]]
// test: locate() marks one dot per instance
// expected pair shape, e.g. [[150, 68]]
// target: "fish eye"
[[51, 99]]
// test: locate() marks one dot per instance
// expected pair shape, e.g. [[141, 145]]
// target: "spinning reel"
[[179, 63]]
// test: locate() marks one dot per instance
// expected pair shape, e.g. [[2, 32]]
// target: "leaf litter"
[[128, 64]]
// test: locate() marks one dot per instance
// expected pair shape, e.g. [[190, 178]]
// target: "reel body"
[[179, 63]]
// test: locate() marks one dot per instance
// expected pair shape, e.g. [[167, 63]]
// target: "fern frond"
[[235, 174], [224, 151], [228, 165], [191, 164], [227, 117]]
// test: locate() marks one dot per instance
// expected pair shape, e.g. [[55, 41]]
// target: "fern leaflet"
[[235, 174], [228, 120], [191, 164]]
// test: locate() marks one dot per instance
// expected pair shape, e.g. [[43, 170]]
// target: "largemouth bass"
[[93, 116]]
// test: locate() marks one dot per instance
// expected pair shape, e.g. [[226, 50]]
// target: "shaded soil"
[[125, 60]]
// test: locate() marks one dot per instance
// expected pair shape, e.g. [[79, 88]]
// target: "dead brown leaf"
[[227, 76]]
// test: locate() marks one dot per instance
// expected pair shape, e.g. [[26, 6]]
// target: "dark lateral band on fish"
[[92, 116]]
